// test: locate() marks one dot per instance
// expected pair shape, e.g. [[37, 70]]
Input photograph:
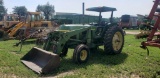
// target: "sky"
[[132, 7]]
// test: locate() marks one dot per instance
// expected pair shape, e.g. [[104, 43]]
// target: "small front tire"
[[81, 54]]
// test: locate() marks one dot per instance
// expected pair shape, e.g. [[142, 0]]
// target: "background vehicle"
[[9, 21], [31, 23], [154, 36], [128, 21]]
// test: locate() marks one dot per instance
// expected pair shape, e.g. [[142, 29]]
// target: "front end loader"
[[81, 38]]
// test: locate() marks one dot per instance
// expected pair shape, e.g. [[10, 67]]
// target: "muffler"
[[41, 61]]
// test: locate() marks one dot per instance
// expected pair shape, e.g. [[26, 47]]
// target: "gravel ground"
[[132, 32]]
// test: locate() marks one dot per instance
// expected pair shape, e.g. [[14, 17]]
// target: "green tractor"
[[82, 38]]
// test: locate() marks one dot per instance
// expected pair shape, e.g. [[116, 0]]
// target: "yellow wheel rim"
[[117, 41], [83, 55]]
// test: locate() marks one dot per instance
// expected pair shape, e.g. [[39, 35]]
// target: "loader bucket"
[[41, 61]]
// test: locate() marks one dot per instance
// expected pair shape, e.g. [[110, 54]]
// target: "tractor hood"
[[72, 27]]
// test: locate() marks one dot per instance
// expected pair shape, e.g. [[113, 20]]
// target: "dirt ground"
[[132, 32]]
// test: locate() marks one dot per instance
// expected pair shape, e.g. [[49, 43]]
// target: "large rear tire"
[[81, 54], [113, 40]]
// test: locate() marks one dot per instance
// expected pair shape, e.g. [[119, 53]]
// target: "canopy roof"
[[101, 9]]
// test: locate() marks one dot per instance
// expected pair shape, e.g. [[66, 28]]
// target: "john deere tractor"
[[82, 38]]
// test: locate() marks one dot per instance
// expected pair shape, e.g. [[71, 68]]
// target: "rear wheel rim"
[[117, 41], [83, 55]]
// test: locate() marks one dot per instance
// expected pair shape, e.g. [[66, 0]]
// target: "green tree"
[[39, 8], [3, 10], [1, 2], [47, 9], [20, 10], [116, 19]]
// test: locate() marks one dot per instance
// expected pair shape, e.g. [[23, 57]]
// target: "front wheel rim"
[[83, 55]]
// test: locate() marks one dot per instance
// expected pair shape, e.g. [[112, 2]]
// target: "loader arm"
[[60, 37], [14, 30]]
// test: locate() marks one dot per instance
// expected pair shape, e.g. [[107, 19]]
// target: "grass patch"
[[132, 62]]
